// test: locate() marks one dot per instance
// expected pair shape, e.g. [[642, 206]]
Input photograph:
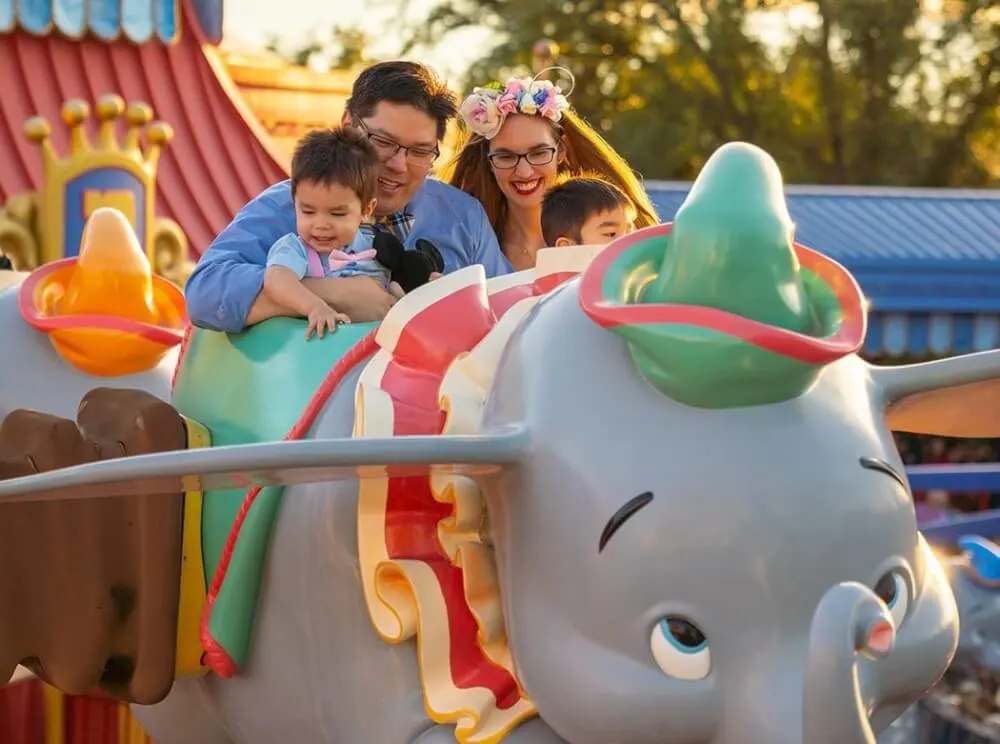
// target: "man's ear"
[[563, 242], [345, 119]]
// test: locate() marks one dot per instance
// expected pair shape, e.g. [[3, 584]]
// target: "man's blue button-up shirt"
[[230, 274]]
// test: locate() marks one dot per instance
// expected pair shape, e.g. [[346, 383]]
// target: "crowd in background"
[[921, 450]]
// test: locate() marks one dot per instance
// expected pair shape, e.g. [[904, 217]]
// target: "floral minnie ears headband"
[[485, 109]]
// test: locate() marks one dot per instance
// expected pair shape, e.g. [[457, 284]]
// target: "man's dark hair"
[[569, 204], [342, 155], [402, 81]]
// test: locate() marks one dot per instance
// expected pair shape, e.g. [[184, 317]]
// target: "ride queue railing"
[[931, 721], [975, 477]]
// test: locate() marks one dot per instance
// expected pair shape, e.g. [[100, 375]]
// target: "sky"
[[295, 21]]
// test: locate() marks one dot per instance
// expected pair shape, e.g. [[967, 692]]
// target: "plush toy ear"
[[389, 250], [430, 250]]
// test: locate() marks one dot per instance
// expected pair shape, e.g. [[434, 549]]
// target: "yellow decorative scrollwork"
[[19, 231], [170, 251], [36, 228]]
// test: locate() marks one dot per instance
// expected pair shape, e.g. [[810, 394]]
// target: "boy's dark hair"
[[342, 155], [403, 81], [573, 201]]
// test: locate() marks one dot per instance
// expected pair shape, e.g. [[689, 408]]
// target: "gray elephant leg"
[[186, 716], [535, 731]]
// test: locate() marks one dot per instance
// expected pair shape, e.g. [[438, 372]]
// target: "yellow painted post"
[[129, 730], [54, 708]]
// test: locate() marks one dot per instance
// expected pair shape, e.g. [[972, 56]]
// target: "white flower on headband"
[[481, 113], [485, 109]]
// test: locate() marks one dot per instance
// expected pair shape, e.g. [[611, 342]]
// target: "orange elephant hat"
[[105, 311]]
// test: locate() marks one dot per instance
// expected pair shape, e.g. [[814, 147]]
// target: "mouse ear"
[[431, 251], [388, 249]]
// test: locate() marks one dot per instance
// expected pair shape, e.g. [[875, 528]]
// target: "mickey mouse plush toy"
[[408, 269]]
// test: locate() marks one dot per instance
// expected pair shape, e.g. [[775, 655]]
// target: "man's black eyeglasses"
[[387, 147]]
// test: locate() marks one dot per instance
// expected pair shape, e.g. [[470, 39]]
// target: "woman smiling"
[[519, 138]]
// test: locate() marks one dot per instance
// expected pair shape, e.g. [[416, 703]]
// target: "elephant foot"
[[91, 585]]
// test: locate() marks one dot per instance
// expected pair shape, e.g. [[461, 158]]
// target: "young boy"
[[333, 187], [585, 210]]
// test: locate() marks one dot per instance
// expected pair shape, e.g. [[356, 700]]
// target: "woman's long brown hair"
[[586, 152]]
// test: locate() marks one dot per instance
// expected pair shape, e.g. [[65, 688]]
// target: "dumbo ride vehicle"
[[641, 494]]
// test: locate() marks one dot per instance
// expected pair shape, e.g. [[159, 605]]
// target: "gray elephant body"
[[318, 672], [298, 630], [670, 573], [797, 526]]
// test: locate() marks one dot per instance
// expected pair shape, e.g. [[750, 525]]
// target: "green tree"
[[840, 91], [347, 48]]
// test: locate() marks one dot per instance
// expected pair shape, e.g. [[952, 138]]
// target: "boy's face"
[[602, 227], [327, 217]]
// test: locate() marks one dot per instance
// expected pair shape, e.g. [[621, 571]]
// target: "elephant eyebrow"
[[628, 509], [873, 463]]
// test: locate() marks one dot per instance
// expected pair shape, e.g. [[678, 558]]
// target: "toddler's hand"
[[324, 317]]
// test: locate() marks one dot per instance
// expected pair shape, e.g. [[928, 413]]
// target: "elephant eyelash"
[[881, 466], [628, 509]]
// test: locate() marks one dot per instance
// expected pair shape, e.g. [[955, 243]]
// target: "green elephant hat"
[[721, 308]]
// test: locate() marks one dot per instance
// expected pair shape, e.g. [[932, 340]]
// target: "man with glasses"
[[404, 108]]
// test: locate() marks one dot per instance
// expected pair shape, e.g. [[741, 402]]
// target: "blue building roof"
[[928, 259], [139, 21]]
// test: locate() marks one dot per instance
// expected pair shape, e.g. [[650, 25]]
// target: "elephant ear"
[[954, 397]]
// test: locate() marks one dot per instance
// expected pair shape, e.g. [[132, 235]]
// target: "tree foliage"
[[346, 48], [899, 92]]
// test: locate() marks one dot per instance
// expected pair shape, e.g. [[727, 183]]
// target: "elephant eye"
[[894, 590], [680, 649]]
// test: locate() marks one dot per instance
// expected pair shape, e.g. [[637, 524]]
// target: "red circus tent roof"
[[219, 157]]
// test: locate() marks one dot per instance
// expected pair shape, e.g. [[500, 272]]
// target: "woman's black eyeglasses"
[[508, 160]]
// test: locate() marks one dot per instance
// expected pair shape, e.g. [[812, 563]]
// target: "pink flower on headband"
[[553, 106], [485, 109], [515, 87], [507, 103]]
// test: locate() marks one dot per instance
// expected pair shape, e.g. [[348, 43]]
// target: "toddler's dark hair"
[[342, 155], [573, 201]]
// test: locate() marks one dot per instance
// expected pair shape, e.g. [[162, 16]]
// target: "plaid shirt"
[[398, 223]]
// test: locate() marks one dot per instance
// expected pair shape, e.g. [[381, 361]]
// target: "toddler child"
[[585, 210], [333, 189]]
